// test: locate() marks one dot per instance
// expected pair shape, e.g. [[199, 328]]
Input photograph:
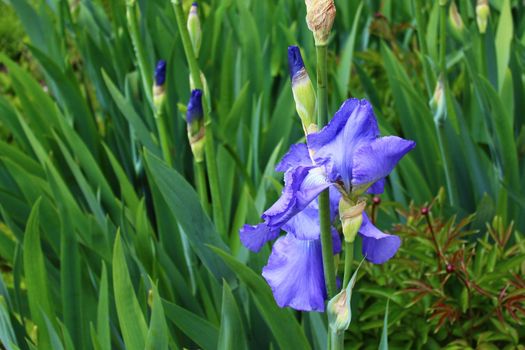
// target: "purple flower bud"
[[295, 61], [194, 4], [160, 73], [194, 111]]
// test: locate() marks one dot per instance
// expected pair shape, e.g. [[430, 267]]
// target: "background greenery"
[[103, 245]]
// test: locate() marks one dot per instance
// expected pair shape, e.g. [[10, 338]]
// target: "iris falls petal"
[[378, 247], [302, 185], [295, 273], [254, 237], [297, 156]]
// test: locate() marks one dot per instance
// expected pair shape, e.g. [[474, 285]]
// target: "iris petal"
[[254, 237], [353, 124], [302, 185], [378, 247], [297, 156], [377, 159], [295, 273]]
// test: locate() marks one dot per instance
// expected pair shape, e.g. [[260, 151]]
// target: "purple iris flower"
[[347, 156], [160, 73]]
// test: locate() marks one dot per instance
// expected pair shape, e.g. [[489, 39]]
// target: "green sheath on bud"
[[482, 15], [195, 125], [351, 216], [194, 29], [303, 90], [339, 309], [437, 103], [456, 22], [205, 88]]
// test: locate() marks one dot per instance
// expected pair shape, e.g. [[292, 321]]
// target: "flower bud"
[[303, 90], [158, 86], [339, 309], [456, 22], [194, 28], [205, 88], [482, 15], [195, 125], [320, 15], [351, 216], [437, 103]]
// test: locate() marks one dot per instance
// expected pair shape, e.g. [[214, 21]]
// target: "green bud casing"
[[482, 15], [351, 216], [194, 29]]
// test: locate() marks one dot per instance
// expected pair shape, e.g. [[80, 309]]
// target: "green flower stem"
[[322, 92], [202, 188], [349, 258], [209, 150], [422, 43], [144, 68], [439, 124], [324, 198], [160, 119], [337, 341], [326, 242]]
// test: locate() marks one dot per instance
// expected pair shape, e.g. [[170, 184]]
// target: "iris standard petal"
[[254, 237], [353, 124], [297, 156], [378, 247], [302, 185], [295, 274], [377, 159]]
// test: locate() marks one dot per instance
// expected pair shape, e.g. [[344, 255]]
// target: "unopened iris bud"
[[456, 22], [339, 309], [194, 28], [437, 103], [351, 215], [158, 86], [303, 90], [320, 15], [339, 312], [482, 15], [195, 125], [205, 88]]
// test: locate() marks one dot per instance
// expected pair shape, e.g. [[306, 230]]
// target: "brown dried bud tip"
[[376, 200], [424, 211], [320, 15], [450, 268]]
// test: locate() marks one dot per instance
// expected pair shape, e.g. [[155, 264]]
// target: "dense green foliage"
[[103, 244]]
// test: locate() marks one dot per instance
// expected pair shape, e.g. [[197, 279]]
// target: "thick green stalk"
[[324, 198], [144, 68], [160, 117], [349, 258], [202, 188], [337, 341], [209, 150], [322, 92]]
